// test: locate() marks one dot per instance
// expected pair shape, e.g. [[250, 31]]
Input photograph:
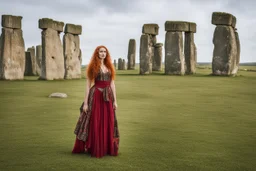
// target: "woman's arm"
[[87, 89], [113, 87]]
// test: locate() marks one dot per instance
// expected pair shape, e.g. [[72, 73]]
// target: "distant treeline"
[[209, 63], [241, 64]]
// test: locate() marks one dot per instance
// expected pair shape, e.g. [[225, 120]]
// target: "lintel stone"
[[73, 29], [177, 26], [150, 29], [222, 18], [10, 21], [45, 23]]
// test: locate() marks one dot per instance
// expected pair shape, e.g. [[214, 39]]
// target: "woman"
[[96, 130]]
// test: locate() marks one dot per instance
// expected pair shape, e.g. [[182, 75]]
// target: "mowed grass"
[[166, 122]]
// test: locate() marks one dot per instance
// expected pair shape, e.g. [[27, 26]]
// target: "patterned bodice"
[[103, 76]]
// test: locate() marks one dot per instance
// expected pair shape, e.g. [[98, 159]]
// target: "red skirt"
[[101, 139]]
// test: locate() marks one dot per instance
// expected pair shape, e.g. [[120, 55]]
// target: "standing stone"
[[71, 44], [123, 65], [33, 59], [147, 46], [120, 64], [238, 53], [38, 59], [115, 63], [157, 58], [225, 54], [28, 65], [131, 54], [52, 58], [189, 51], [12, 49], [145, 55], [225, 50], [174, 57]]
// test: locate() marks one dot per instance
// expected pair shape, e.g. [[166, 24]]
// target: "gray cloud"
[[113, 23]]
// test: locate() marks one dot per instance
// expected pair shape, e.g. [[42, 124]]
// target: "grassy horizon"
[[194, 122]]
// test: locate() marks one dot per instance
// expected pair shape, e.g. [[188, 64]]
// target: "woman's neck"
[[102, 62]]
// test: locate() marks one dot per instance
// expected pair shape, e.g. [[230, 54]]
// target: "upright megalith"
[[190, 50], [131, 54], [174, 57], [52, 50], [120, 64], [157, 58], [123, 65], [12, 49], [147, 45], [115, 63], [28, 65], [226, 52], [71, 43], [38, 59], [238, 52], [33, 59]]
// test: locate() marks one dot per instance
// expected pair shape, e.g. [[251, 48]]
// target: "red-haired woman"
[[96, 130]]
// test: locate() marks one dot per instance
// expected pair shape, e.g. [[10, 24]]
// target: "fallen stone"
[[58, 95]]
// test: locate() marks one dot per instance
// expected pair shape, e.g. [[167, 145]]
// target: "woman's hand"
[[85, 107], [115, 106]]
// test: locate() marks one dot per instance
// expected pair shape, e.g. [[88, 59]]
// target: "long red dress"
[[97, 130]]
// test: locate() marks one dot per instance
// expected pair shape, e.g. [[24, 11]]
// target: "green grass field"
[[183, 123]]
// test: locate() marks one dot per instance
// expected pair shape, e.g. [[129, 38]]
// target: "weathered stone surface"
[[33, 59], [72, 63], [158, 45], [157, 58], [174, 57], [10, 21], [189, 51], [58, 95], [115, 63], [39, 54], [153, 40], [225, 50], [12, 56], [222, 18], [150, 29], [120, 63], [177, 26], [236, 67], [28, 65], [145, 55], [123, 65], [46, 23], [131, 54], [73, 29], [52, 59], [80, 57], [192, 27]]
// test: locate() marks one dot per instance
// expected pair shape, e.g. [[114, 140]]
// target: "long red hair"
[[94, 65]]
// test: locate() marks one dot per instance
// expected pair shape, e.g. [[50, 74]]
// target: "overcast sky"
[[113, 22]]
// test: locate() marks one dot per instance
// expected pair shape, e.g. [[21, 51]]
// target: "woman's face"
[[102, 53]]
